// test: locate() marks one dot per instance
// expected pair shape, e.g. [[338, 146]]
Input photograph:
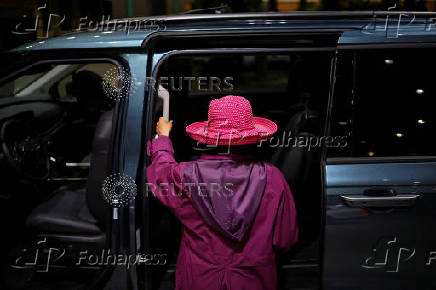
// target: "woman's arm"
[[164, 175]]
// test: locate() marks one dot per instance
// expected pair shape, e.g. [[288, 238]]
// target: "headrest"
[[306, 121]]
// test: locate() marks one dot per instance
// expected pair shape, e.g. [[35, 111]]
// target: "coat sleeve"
[[285, 225], [164, 175]]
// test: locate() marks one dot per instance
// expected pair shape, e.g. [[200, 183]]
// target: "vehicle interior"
[[55, 135], [290, 88]]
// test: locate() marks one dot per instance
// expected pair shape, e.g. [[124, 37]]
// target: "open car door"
[[380, 195]]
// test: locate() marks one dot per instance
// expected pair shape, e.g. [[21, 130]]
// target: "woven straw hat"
[[231, 122]]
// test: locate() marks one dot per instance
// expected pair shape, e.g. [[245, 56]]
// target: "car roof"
[[358, 27]]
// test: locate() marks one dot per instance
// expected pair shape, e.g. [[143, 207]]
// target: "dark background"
[[18, 17]]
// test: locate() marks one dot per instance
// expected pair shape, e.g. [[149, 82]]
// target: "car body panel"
[[379, 248], [361, 28], [91, 40], [379, 174]]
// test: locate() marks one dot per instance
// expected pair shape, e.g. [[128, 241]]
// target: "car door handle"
[[401, 200], [164, 95]]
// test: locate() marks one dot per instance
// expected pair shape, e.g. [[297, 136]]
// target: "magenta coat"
[[226, 242]]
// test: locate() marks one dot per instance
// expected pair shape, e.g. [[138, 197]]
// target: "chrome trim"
[[402, 200], [78, 164]]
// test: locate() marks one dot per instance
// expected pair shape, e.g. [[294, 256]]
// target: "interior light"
[[399, 135], [370, 153], [389, 61], [419, 91], [421, 122]]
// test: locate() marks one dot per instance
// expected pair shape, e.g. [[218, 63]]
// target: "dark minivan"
[[351, 92]]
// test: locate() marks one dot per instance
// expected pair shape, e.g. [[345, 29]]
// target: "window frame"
[[113, 57], [151, 95]]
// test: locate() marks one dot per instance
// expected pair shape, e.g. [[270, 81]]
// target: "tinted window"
[[54, 81], [24, 79], [391, 110]]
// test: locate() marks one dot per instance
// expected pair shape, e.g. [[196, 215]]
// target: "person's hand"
[[163, 128]]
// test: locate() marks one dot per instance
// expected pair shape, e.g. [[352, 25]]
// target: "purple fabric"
[[226, 192], [209, 260]]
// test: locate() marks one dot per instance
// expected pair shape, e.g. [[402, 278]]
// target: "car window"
[[53, 81], [36, 80], [251, 72], [390, 112], [23, 80], [101, 69]]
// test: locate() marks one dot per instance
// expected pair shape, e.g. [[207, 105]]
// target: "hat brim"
[[263, 129]]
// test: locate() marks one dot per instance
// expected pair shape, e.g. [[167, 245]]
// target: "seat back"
[[99, 168], [294, 158], [297, 159], [301, 169]]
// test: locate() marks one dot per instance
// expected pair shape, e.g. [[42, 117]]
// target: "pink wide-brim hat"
[[231, 122]]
